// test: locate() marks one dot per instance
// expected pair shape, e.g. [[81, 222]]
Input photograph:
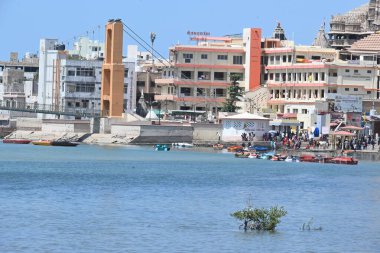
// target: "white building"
[[88, 49], [249, 124], [70, 82]]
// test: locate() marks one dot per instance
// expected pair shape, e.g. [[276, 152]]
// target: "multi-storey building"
[[199, 75], [301, 79], [18, 83], [70, 82]]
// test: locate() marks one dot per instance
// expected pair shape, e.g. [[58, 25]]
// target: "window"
[[186, 74], [272, 60], [204, 56], [289, 58], [77, 104], [85, 72], [85, 103], [219, 93], [369, 92], [356, 89], [69, 104], [71, 72], [347, 89], [277, 77], [187, 56], [356, 71], [85, 87], [185, 92], [304, 111], [284, 58], [222, 57], [126, 73], [315, 57], [202, 75], [369, 71], [347, 70], [125, 88], [238, 59], [201, 92], [220, 76], [295, 110]]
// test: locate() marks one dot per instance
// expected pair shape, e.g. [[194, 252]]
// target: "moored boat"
[[16, 141], [161, 147], [292, 159], [42, 143], [64, 143], [344, 160], [242, 154], [218, 146], [234, 148]]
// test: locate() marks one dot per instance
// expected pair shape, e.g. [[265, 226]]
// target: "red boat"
[[344, 160], [308, 158], [16, 141]]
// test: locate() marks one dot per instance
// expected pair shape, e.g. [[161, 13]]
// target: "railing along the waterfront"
[[12, 105]]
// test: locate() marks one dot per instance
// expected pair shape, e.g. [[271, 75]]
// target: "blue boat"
[[259, 148], [161, 147]]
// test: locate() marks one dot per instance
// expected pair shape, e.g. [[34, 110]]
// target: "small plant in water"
[[260, 218]]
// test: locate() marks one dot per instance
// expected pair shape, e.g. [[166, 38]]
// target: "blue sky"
[[23, 22]]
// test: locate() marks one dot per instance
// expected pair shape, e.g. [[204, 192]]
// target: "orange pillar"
[[112, 96], [255, 59]]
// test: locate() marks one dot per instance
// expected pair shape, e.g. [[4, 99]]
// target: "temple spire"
[[279, 32], [321, 39]]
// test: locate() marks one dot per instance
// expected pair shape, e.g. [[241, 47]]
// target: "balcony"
[[206, 99]]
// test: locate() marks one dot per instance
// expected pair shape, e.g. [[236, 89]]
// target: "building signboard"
[[345, 103]]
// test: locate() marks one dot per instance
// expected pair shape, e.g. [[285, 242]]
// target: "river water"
[[133, 199]]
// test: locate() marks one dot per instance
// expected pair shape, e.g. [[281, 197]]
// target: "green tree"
[[234, 91], [260, 218]]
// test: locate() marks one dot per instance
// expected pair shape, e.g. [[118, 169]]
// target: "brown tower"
[[112, 97]]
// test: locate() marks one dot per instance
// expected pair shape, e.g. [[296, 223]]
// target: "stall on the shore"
[[243, 127]]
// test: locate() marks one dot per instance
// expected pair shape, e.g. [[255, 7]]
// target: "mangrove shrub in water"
[[260, 218]]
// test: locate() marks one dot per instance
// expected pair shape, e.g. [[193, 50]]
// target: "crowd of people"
[[294, 141]]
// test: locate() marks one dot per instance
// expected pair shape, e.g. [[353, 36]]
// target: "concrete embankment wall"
[[66, 126], [206, 134], [153, 134], [29, 124]]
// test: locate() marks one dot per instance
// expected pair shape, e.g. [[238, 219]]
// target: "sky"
[[24, 22]]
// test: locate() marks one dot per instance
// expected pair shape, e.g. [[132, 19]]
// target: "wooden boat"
[[64, 143], [344, 160], [161, 147], [42, 143], [16, 141], [308, 158], [242, 154], [218, 146], [234, 148], [278, 157]]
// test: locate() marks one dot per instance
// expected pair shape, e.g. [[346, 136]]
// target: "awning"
[[342, 133], [355, 128], [284, 123]]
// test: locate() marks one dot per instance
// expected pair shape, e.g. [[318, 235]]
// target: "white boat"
[[292, 159], [182, 145]]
